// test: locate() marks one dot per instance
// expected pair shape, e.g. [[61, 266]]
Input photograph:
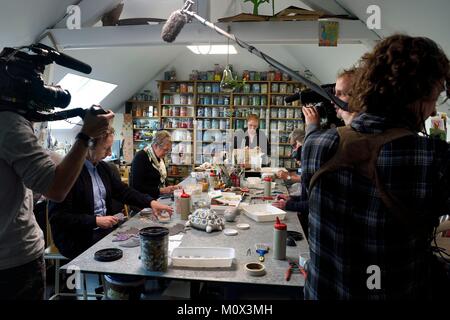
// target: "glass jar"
[[281, 113], [275, 87], [200, 88], [200, 112]]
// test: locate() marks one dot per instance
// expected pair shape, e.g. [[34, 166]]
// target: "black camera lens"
[[52, 96]]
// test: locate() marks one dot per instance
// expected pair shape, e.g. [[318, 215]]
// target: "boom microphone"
[[61, 58], [173, 25]]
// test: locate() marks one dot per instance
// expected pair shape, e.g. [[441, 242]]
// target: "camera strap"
[[359, 151]]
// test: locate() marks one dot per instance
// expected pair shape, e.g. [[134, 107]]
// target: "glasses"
[[165, 149]]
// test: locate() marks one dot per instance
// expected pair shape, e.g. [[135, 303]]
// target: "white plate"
[[263, 212], [202, 257], [230, 232], [243, 226]]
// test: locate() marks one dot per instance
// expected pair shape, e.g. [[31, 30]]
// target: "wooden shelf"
[[281, 94], [214, 105], [275, 106], [249, 94], [213, 93], [144, 101], [171, 92], [183, 117], [177, 129], [177, 105], [139, 118]]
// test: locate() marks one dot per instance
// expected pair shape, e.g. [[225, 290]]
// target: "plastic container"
[[202, 257], [267, 186], [154, 248], [263, 212], [279, 240], [185, 205]]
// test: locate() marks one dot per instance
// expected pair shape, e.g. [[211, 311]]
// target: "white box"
[[263, 212], [202, 257]]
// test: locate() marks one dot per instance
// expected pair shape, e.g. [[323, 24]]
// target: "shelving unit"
[[199, 116]]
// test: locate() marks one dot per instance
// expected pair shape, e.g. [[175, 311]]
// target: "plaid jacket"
[[350, 228]]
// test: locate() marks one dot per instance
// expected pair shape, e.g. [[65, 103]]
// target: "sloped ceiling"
[[131, 68]]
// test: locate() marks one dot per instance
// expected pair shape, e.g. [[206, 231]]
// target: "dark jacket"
[[73, 220], [144, 177]]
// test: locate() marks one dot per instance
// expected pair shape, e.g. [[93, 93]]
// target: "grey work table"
[[259, 232]]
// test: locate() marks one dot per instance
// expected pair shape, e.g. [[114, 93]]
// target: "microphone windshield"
[[173, 25]]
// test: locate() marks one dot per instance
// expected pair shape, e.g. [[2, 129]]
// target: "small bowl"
[[255, 269]]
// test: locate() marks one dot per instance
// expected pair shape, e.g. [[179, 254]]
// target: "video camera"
[[324, 106], [22, 89]]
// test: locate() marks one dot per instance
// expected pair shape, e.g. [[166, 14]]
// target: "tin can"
[[264, 88], [290, 113], [275, 87], [263, 101], [183, 111], [279, 101], [154, 248]]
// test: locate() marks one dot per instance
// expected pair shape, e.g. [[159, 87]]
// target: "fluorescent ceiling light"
[[212, 49], [84, 92]]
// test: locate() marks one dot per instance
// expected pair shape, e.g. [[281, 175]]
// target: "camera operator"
[[377, 188], [344, 83], [25, 167]]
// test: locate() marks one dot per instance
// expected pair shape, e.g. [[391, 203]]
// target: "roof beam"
[[270, 32]]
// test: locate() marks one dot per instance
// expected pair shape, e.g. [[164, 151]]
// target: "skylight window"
[[84, 92], [213, 49]]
